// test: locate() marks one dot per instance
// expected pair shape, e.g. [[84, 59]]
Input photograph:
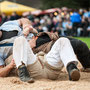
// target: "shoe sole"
[[75, 75], [31, 80]]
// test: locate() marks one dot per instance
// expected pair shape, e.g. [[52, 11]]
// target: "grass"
[[84, 39]]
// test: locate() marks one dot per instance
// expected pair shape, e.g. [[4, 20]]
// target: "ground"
[[13, 83], [84, 39]]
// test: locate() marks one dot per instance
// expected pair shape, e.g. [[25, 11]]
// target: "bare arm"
[[24, 21], [27, 26], [4, 71]]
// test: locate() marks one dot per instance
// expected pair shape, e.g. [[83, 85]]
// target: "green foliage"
[[85, 39], [68, 3]]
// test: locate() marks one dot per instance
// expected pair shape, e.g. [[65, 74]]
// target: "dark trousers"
[[8, 34], [69, 32], [75, 26], [82, 51]]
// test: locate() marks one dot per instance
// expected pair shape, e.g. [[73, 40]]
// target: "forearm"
[[26, 26], [5, 70], [24, 21]]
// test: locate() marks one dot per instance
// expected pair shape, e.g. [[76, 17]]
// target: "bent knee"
[[20, 39], [64, 39]]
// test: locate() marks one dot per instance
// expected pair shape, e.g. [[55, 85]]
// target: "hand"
[[12, 64], [27, 29]]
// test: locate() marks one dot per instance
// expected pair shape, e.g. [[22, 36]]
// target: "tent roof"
[[9, 7]]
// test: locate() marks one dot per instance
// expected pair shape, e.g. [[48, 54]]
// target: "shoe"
[[73, 72], [24, 74]]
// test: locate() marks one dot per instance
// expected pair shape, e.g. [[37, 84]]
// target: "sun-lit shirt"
[[75, 17], [86, 14], [64, 25], [11, 26]]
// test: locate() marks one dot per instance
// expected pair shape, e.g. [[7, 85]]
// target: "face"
[[32, 42]]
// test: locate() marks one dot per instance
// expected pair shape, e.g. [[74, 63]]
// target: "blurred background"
[[66, 17]]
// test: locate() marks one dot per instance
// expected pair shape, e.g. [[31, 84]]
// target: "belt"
[[6, 44], [41, 63]]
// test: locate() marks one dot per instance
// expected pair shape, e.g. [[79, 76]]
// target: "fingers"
[[13, 62], [26, 31], [34, 31]]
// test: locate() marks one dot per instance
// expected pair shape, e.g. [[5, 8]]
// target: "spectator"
[[30, 17], [8, 17], [88, 30], [86, 13], [36, 23], [54, 22], [69, 27], [82, 28], [49, 25], [40, 29], [76, 20], [14, 16], [4, 18], [64, 27]]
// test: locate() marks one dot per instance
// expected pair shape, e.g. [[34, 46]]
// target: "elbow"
[[24, 19], [2, 74]]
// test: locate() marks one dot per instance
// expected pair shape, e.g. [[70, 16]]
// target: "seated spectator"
[[36, 23], [30, 17], [69, 28], [76, 20], [4, 18], [83, 27], [14, 16], [86, 13], [45, 29], [79, 30], [64, 27], [42, 20], [88, 30], [49, 25], [55, 24], [40, 29]]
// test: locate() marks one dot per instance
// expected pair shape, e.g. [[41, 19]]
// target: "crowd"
[[66, 23]]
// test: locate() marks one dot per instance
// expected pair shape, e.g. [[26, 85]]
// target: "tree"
[[68, 3]]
